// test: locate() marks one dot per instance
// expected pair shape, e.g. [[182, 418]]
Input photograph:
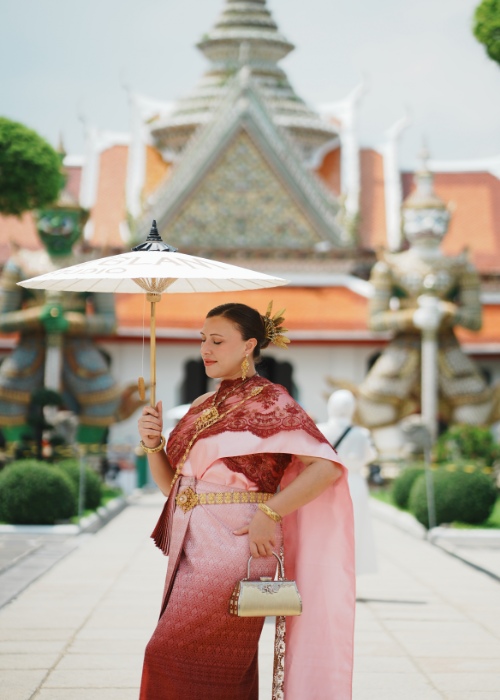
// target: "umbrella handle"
[[153, 298]]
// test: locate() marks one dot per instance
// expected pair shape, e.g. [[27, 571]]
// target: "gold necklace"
[[255, 392], [211, 414]]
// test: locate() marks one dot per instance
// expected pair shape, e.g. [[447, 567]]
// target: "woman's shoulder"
[[202, 398], [263, 381], [277, 396]]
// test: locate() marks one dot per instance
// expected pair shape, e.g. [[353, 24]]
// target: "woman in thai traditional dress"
[[243, 469]]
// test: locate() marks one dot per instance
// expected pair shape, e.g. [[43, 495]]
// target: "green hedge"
[[403, 484], [459, 496], [93, 483], [34, 493]]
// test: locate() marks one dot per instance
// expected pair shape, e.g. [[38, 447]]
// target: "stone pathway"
[[428, 625]]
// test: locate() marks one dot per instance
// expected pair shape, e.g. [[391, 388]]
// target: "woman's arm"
[[310, 483], [150, 429]]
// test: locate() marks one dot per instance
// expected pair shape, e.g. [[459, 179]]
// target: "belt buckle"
[[187, 499]]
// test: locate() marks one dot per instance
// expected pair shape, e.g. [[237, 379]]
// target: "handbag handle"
[[280, 562]]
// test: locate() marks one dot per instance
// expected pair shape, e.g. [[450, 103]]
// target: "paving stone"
[[124, 677], [473, 681], [83, 694], [394, 686], [20, 684], [474, 695], [27, 661], [426, 625], [89, 662], [438, 664]]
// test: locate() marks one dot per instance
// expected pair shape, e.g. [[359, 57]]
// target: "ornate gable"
[[241, 203], [241, 183]]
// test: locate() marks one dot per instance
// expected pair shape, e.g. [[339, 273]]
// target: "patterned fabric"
[[267, 414], [265, 470], [198, 650]]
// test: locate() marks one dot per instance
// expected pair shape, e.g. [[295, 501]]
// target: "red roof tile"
[[372, 227], [490, 331], [156, 171], [73, 180], [109, 210], [19, 231], [313, 309], [329, 171], [307, 308]]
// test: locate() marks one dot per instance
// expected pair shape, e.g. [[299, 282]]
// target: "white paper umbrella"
[[153, 268]]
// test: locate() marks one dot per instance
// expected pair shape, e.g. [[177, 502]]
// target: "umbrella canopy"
[[153, 268], [152, 271]]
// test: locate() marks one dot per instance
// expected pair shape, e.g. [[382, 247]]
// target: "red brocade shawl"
[[260, 439], [271, 412]]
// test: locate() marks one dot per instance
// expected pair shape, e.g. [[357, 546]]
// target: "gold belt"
[[189, 499]]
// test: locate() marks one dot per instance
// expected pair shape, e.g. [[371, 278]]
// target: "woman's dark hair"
[[248, 321]]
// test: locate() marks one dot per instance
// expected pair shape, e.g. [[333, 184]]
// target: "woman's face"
[[223, 349]]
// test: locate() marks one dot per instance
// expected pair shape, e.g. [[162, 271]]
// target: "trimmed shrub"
[[30, 169], [33, 493], [403, 484], [93, 484], [467, 442], [486, 27], [459, 496]]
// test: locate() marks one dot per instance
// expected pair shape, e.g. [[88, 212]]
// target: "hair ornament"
[[274, 329]]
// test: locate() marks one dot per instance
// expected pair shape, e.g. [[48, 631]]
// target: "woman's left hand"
[[261, 535]]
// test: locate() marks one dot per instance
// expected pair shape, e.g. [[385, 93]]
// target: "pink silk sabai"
[[318, 542]]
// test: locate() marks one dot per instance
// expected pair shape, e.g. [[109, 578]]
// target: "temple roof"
[[241, 182], [474, 197], [244, 35], [106, 229], [313, 314]]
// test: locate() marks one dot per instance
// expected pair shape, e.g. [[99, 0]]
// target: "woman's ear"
[[250, 345]]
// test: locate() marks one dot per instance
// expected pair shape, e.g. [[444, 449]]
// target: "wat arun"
[[243, 146]]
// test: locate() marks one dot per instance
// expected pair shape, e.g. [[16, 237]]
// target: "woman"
[[241, 443]]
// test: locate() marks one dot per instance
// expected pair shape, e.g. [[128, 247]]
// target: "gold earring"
[[245, 366]]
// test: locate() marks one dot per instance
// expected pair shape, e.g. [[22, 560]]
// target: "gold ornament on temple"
[[274, 328]]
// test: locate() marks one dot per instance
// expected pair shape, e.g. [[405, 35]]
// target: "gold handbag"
[[265, 596]]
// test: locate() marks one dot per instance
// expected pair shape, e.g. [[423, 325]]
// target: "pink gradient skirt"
[[198, 650]]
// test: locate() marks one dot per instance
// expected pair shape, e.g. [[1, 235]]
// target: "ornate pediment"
[[241, 183], [241, 203]]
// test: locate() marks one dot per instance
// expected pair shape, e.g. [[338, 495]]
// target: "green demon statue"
[[56, 347]]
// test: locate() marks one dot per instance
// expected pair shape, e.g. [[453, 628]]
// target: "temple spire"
[[245, 34]]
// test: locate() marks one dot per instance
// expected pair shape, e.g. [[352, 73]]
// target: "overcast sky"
[[64, 58]]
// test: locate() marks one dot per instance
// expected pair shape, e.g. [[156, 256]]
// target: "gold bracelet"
[[270, 512], [152, 450]]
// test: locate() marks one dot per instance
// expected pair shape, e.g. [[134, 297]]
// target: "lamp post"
[[428, 318]]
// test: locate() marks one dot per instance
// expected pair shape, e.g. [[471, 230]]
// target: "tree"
[[30, 169], [487, 27]]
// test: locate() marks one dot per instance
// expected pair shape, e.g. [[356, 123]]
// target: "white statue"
[[355, 448]]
